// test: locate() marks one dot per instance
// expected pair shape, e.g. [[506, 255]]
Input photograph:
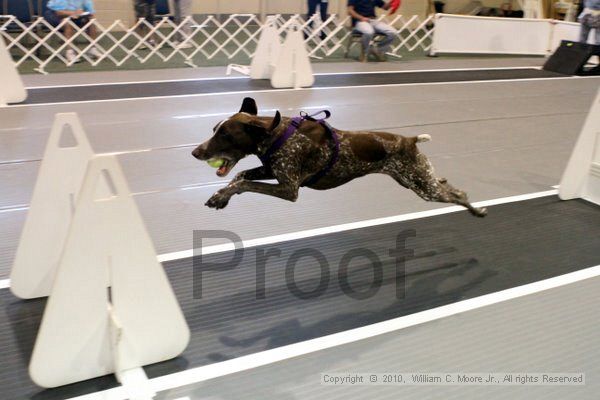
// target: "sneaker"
[[144, 46], [378, 54], [94, 53], [72, 57], [185, 45]]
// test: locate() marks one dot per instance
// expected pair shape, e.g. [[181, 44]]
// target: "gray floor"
[[78, 78], [491, 139], [529, 334]]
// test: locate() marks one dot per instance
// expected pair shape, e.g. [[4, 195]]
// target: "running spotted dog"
[[307, 152]]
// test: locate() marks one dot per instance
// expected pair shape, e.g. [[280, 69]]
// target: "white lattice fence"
[[205, 38]]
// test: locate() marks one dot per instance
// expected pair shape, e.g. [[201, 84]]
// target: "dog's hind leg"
[[413, 170]]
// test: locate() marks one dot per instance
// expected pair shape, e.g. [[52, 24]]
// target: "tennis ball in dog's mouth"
[[216, 162]]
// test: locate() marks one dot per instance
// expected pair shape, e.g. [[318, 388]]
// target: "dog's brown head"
[[236, 137]]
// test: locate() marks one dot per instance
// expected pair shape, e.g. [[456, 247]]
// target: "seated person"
[[80, 11], [363, 21], [590, 19]]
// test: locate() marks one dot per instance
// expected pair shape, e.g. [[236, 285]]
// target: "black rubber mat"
[[456, 256], [164, 89]]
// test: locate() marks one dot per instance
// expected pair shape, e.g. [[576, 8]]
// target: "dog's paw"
[[480, 212], [218, 201]]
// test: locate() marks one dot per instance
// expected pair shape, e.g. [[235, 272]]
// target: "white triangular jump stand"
[[293, 69], [581, 178], [12, 89], [52, 205], [267, 51], [111, 308], [266, 54]]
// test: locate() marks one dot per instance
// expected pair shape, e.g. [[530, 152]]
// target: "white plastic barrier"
[[293, 69], [489, 35], [267, 51], [11, 85], [566, 31], [287, 65], [236, 36], [111, 308], [51, 209], [581, 178]]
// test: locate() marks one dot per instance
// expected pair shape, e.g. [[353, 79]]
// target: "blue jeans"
[[589, 22], [585, 32], [312, 8]]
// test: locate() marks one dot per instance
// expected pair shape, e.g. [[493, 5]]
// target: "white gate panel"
[[581, 178], [51, 209], [111, 308], [12, 89], [566, 31], [488, 35]]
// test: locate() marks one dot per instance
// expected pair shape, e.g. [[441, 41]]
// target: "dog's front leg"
[[254, 174], [286, 191]]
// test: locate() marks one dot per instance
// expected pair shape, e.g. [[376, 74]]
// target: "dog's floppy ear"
[[276, 121], [256, 129], [249, 106]]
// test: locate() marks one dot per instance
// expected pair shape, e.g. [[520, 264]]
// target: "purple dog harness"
[[291, 129]]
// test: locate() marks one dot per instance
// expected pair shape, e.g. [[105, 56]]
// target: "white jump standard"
[[111, 307]]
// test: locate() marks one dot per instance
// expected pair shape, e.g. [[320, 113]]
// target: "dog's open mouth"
[[223, 165]]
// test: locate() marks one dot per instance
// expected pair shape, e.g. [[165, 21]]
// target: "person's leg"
[[139, 6], [183, 9], [147, 11], [92, 31], [68, 30], [323, 11], [312, 9], [597, 33], [151, 11], [367, 32], [177, 18], [388, 31], [149, 14], [70, 51], [186, 11], [584, 32]]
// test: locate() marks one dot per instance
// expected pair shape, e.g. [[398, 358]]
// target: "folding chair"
[[356, 38]]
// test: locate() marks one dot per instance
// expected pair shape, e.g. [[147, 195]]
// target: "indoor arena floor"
[[503, 138]]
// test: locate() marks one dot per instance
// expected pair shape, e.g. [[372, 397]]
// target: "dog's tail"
[[423, 138]]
